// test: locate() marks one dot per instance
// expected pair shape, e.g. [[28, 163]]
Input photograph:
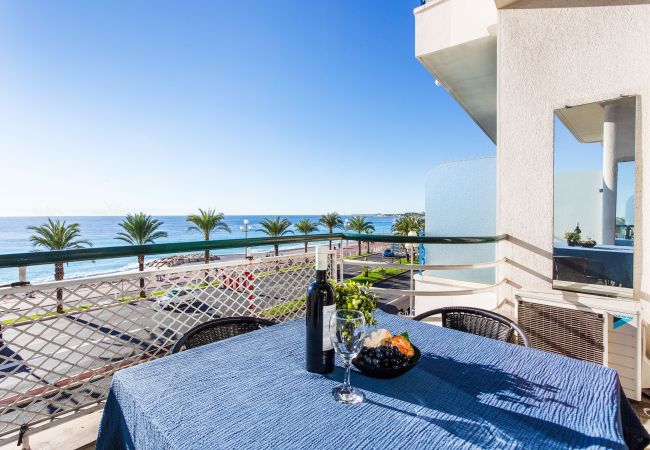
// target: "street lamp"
[[411, 247], [346, 227], [246, 228]]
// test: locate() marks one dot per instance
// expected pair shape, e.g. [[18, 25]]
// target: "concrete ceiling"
[[585, 121], [469, 73]]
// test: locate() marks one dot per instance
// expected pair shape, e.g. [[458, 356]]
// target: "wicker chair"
[[219, 329], [480, 322]]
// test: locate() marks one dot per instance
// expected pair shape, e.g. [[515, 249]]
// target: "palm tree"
[[57, 235], [140, 229], [306, 226], [361, 225], [408, 223], [331, 221], [206, 222], [275, 228]]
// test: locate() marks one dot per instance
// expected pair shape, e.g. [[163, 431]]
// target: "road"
[[388, 303], [69, 348]]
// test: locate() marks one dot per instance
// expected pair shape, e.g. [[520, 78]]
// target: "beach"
[[101, 232]]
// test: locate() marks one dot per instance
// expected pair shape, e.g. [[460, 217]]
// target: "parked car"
[[176, 298], [389, 253]]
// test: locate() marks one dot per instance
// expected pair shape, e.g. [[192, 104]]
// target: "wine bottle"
[[321, 305]]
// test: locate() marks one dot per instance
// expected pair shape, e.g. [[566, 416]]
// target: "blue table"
[[252, 391]]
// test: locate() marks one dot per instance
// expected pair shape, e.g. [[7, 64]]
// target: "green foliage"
[[285, 308], [379, 274], [353, 295], [361, 225], [57, 235], [408, 223], [140, 229], [331, 221], [306, 226], [37, 317], [275, 227], [572, 236], [206, 222]]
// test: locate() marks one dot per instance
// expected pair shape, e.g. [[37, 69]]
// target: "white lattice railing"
[[353, 249], [53, 364]]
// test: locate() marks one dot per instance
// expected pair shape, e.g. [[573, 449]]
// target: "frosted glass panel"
[[461, 201]]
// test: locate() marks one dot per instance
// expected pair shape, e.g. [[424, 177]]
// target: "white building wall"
[[549, 58]]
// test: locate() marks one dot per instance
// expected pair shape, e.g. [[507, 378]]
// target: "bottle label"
[[328, 312]]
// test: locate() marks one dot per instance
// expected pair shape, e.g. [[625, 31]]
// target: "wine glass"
[[347, 331]]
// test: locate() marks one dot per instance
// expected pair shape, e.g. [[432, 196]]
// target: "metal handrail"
[[95, 253], [482, 265], [415, 292]]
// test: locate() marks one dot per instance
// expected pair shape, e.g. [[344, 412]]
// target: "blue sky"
[[256, 107]]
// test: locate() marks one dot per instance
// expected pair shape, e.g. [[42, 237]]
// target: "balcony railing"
[[58, 365]]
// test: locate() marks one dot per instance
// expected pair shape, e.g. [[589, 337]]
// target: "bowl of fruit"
[[386, 356]]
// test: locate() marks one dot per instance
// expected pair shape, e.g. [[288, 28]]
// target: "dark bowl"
[[588, 244], [387, 372]]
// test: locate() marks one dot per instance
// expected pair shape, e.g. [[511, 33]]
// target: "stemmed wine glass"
[[347, 331]]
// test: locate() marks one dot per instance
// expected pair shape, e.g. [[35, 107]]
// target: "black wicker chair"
[[219, 329], [481, 322]]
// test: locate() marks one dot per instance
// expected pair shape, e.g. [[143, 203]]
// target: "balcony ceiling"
[[456, 41], [469, 73], [585, 121]]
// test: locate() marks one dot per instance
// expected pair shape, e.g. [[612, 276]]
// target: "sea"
[[101, 232]]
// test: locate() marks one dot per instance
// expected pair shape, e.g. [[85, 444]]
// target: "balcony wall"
[[550, 57]]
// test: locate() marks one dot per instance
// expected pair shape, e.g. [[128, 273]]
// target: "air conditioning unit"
[[601, 330]]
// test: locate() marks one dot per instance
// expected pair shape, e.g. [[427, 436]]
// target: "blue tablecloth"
[[252, 391]]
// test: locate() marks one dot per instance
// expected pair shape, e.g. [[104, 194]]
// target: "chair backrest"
[[219, 329], [480, 322], [570, 268]]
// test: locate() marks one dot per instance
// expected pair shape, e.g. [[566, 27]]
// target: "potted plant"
[[572, 238], [353, 295], [589, 243]]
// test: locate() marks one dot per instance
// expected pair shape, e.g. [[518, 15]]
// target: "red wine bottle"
[[321, 305]]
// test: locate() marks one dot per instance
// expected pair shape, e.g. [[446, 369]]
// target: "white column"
[[610, 174], [618, 145]]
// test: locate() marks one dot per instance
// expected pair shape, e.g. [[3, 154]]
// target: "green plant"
[[140, 229], [353, 295], [205, 223], [306, 226], [572, 236], [275, 228], [331, 221], [57, 235], [406, 223], [361, 225]]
